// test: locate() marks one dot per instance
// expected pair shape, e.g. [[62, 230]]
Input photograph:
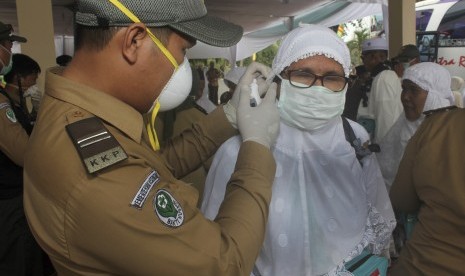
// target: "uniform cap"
[[186, 16], [375, 44], [407, 53], [6, 33]]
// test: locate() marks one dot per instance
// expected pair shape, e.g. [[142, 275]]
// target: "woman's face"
[[319, 65], [413, 99]]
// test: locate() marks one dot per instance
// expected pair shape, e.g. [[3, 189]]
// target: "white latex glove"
[[260, 123], [254, 70]]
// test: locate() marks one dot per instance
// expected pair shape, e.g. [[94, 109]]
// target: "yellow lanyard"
[[151, 127], [151, 124]]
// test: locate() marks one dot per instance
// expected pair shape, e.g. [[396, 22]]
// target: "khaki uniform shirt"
[[431, 179], [184, 120], [13, 138], [86, 223]]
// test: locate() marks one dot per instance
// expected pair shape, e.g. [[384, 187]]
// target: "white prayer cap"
[[375, 44], [433, 78], [235, 74], [311, 40]]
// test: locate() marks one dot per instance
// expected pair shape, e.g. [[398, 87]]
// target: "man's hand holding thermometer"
[[261, 122]]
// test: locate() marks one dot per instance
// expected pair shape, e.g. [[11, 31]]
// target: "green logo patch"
[[11, 115], [168, 209]]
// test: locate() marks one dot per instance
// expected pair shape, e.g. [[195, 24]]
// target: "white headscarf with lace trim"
[[311, 40]]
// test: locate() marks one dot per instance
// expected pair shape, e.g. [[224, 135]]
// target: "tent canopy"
[[287, 15], [264, 21]]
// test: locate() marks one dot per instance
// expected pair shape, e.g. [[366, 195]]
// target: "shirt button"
[[282, 240], [332, 225], [78, 114]]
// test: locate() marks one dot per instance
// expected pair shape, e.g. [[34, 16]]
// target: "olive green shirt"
[[13, 137], [431, 180]]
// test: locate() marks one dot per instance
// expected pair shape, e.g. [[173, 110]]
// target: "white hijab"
[[311, 40], [436, 80]]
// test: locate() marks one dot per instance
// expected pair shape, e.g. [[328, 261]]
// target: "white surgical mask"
[[309, 108], [31, 91], [178, 87], [406, 65], [6, 68]]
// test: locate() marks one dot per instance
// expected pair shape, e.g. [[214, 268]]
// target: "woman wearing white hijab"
[[425, 86], [326, 207]]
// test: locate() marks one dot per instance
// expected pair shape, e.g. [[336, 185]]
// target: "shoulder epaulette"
[[442, 109], [96, 146]]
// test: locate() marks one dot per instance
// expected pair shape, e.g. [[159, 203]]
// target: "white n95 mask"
[[309, 108], [178, 87], [31, 91]]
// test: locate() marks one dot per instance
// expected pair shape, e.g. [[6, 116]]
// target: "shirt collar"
[[108, 108]]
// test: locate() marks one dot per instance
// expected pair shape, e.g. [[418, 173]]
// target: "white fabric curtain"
[[259, 40], [64, 45]]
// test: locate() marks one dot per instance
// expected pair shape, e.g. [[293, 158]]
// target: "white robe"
[[325, 207], [384, 103]]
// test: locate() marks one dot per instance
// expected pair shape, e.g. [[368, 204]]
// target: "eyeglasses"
[[304, 79]]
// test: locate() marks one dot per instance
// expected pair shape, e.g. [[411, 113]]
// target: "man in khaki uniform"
[[430, 181], [99, 195]]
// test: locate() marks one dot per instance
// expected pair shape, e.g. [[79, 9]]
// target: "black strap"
[[356, 265], [360, 150]]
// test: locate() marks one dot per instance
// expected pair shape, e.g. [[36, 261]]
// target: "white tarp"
[[329, 14]]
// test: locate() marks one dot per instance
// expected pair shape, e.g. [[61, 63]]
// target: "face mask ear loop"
[[134, 18], [151, 128]]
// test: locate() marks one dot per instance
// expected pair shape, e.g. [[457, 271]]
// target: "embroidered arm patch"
[[96, 146], [4, 105]]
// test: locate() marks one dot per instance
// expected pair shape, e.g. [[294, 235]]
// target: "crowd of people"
[[166, 175]]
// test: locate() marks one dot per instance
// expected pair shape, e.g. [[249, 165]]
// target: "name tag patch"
[[144, 190], [168, 210]]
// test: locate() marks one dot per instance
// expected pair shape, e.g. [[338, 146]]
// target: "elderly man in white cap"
[[374, 55], [327, 206]]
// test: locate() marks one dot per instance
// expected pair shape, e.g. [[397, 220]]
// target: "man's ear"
[[132, 41]]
